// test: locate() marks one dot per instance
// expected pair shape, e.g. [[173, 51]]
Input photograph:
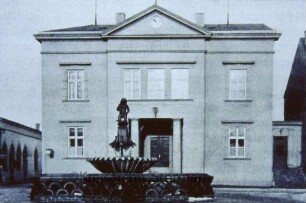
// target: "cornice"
[[98, 36]]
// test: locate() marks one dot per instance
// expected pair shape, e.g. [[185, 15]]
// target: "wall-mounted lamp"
[[50, 152], [155, 111]]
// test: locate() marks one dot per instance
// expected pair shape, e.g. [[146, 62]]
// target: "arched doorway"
[[4, 161], [36, 160], [5, 153], [25, 162], [18, 158], [12, 163]]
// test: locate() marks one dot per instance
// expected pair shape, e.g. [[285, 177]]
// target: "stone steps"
[[289, 178]]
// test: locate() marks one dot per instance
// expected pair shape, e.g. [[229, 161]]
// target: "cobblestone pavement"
[[230, 198], [20, 193], [15, 193]]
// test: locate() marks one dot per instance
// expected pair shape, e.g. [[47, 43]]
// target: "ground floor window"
[[237, 141], [75, 141]]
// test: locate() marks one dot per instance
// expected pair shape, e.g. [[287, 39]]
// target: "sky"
[[20, 60]]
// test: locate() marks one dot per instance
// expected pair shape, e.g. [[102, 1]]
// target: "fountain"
[[122, 145], [122, 177]]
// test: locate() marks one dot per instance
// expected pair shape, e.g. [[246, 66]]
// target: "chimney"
[[120, 17], [199, 19], [37, 126]]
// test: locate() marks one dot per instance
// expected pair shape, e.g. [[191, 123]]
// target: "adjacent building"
[[295, 95], [20, 151], [200, 96]]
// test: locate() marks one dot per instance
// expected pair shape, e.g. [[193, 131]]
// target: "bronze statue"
[[123, 138], [123, 109]]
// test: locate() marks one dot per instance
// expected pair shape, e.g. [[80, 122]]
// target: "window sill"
[[162, 100], [75, 100], [237, 122], [237, 158], [77, 157], [75, 121], [233, 100]]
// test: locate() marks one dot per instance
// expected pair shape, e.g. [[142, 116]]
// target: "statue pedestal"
[[125, 152]]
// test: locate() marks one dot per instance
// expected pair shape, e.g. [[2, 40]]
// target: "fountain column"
[[135, 136]]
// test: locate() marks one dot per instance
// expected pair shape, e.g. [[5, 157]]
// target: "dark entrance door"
[[160, 150], [280, 152]]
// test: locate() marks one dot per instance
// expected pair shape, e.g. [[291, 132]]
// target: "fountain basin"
[[122, 164], [121, 187]]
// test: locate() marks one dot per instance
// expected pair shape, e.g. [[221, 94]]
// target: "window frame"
[[231, 97], [164, 83], [75, 138], [172, 83], [236, 138], [132, 83], [75, 81]]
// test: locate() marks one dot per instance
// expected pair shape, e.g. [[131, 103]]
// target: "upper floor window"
[[75, 84], [132, 83], [75, 141], [236, 142], [156, 83], [237, 86], [179, 83]]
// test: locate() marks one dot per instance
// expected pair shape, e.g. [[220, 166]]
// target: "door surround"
[[177, 137]]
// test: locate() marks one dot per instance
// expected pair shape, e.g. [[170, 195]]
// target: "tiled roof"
[[236, 27], [209, 27], [86, 28], [297, 79]]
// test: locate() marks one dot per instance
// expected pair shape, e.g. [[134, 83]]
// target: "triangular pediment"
[[156, 21]]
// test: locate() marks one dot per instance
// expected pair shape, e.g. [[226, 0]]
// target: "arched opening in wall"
[[18, 158], [36, 160], [12, 163], [5, 153], [25, 162]]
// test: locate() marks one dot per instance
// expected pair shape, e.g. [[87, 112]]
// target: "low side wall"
[[292, 130]]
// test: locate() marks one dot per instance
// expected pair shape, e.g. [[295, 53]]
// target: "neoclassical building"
[[20, 151], [200, 96]]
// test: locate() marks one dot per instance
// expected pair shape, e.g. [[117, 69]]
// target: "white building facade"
[[200, 95]]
